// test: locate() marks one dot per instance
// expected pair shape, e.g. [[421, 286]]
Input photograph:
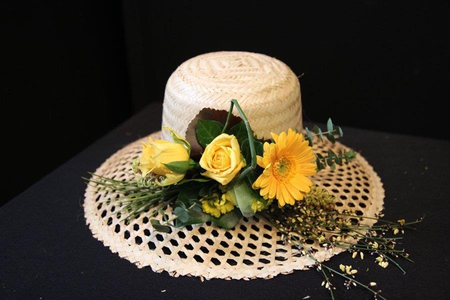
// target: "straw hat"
[[269, 93], [266, 88]]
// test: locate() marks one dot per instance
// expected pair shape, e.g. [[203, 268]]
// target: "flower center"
[[220, 159], [282, 169]]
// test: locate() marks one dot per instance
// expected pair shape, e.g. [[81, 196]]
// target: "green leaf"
[[338, 158], [330, 126], [207, 131], [320, 165], [329, 161], [259, 148], [318, 132], [253, 175], [243, 195], [206, 114], [331, 138], [190, 216], [309, 136], [180, 167], [239, 131], [208, 189], [188, 194], [339, 131], [181, 213], [349, 155], [159, 227], [245, 149], [200, 179], [228, 220]]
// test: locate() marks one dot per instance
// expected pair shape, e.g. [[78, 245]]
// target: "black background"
[[74, 70]]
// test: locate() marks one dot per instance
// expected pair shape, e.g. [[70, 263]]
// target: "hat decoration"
[[234, 187]]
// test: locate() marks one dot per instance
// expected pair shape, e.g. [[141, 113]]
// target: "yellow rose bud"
[[156, 154], [222, 159]]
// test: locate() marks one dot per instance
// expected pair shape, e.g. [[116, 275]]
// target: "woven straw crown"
[[266, 88]]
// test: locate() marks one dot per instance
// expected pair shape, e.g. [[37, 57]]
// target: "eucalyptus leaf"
[[330, 126], [181, 213], [228, 220], [338, 158], [339, 131], [331, 138], [318, 132], [190, 216], [159, 227], [349, 155], [309, 136]]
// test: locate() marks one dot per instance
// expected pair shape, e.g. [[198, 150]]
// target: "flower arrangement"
[[221, 172]]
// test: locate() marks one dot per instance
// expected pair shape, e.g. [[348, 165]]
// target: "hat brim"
[[252, 249]]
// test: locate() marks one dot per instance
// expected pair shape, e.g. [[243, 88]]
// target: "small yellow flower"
[[382, 261], [257, 205], [155, 154], [348, 269], [321, 239], [222, 159], [217, 205], [287, 163]]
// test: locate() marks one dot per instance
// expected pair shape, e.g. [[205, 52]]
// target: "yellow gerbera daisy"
[[287, 162]]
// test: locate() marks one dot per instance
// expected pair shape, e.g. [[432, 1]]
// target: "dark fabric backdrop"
[[74, 70]]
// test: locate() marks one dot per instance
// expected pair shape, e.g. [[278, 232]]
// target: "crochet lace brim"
[[253, 249]]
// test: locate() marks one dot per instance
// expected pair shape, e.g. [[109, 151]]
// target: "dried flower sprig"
[[316, 219]]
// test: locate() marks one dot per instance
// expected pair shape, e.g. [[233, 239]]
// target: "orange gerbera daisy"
[[287, 163]]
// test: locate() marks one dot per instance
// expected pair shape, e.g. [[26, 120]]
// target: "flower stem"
[[251, 142], [351, 279]]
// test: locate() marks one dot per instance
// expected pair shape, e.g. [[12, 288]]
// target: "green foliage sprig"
[[332, 134], [134, 197], [332, 158]]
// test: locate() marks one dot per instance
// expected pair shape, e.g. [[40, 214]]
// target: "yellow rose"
[[222, 159], [156, 154]]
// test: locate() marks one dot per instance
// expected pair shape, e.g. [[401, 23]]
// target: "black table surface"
[[48, 252]]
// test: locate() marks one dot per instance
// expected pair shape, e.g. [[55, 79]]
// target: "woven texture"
[[266, 88], [252, 249]]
